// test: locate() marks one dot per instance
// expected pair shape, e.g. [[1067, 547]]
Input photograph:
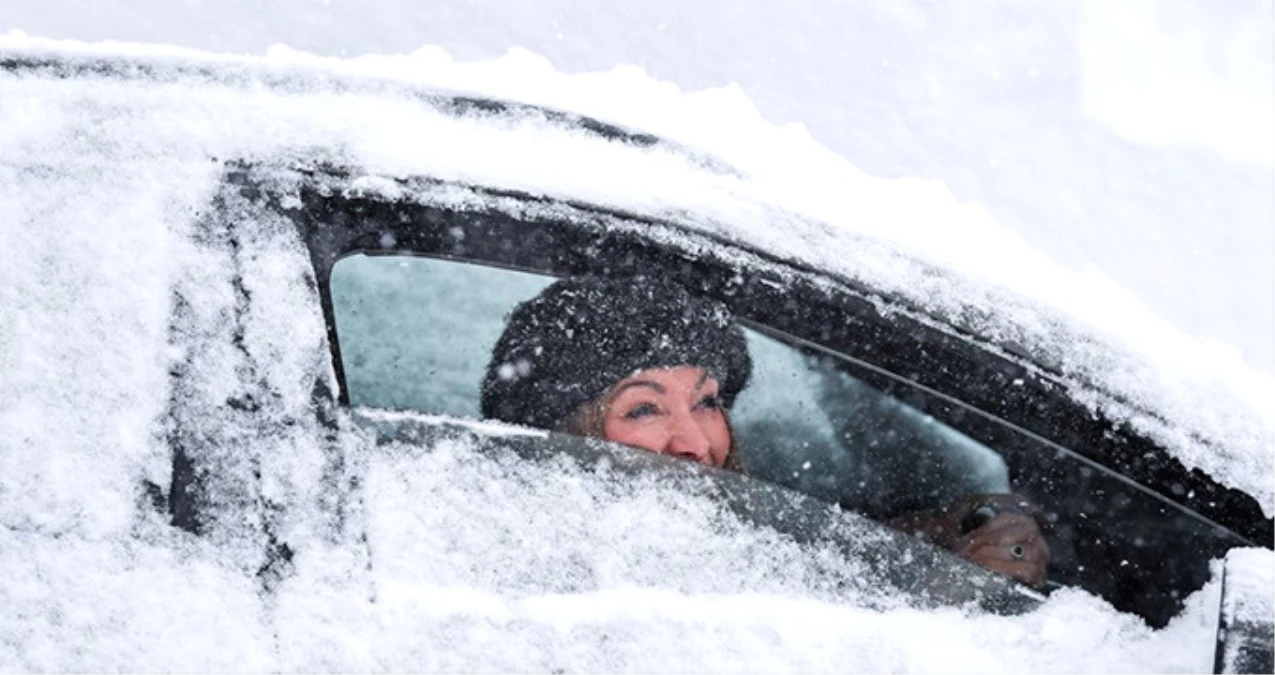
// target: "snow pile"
[[1251, 577], [449, 560], [1248, 608]]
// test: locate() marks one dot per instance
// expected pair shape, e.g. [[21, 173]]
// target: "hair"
[[590, 420]]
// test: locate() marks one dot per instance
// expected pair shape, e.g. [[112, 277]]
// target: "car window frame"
[[336, 214], [1153, 586], [336, 217]]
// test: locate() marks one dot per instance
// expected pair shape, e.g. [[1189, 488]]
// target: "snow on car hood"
[[100, 180]]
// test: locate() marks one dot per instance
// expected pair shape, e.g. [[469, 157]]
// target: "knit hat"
[[582, 335]]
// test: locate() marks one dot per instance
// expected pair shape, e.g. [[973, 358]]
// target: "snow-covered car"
[[248, 308]]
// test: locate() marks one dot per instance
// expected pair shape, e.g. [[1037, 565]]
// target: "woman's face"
[[671, 411]]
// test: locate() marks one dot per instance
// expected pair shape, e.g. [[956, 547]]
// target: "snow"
[[1194, 79], [486, 428], [1247, 609], [1150, 371], [1251, 574], [484, 576], [1130, 139], [471, 563]]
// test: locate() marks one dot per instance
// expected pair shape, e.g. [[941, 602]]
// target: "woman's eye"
[[711, 402], [642, 410]]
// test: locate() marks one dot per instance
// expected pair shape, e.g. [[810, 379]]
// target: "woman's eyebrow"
[[640, 383]]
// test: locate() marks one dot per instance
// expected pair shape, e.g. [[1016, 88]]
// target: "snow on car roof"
[[907, 238]]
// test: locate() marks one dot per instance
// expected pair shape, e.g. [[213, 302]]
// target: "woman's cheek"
[[634, 434]]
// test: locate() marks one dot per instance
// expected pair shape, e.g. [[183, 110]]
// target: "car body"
[[292, 269]]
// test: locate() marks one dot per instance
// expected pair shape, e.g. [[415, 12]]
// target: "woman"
[[645, 363], [639, 361]]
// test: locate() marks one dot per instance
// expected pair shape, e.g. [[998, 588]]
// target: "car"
[[308, 364]]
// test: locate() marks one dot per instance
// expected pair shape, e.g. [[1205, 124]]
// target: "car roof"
[[248, 72]]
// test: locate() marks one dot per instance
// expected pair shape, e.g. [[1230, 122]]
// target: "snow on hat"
[[580, 336]]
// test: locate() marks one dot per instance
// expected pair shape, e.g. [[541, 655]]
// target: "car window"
[[416, 334], [805, 423]]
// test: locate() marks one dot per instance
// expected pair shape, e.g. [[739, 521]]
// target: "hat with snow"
[[582, 335]]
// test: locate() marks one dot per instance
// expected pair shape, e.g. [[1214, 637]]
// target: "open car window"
[[416, 333]]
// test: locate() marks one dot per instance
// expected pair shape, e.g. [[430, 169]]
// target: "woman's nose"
[[687, 440]]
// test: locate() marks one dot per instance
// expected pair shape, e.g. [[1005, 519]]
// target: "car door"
[[242, 492], [1125, 521]]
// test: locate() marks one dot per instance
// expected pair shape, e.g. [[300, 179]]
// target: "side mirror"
[[1246, 619]]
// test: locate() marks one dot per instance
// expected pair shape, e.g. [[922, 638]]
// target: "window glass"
[[805, 423], [416, 333]]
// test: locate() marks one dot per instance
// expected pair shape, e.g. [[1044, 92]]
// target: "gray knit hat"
[[568, 345]]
